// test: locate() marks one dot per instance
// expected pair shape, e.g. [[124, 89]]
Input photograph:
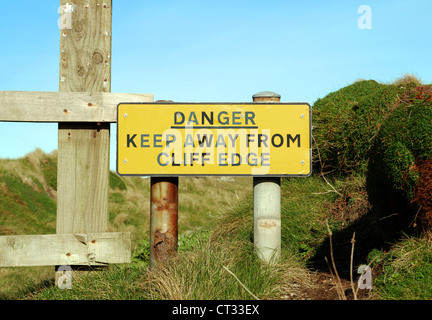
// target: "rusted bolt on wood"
[[163, 219]]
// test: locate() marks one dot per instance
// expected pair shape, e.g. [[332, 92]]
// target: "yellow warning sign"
[[178, 139]]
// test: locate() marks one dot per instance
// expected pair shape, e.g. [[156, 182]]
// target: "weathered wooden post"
[[83, 148], [163, 218], [84, 107], [267, 205]]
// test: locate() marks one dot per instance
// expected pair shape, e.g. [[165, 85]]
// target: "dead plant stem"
[[322, 174], [241, 283], [351, 266], [339, 285]]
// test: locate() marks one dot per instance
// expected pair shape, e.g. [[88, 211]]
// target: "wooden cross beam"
[[29, 106], [84, 107]]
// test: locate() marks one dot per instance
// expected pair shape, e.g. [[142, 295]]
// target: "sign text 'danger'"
[[155, 139]]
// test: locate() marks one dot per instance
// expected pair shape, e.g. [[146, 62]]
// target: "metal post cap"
[[266, 94]]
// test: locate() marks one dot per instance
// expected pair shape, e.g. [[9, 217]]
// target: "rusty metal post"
[[163, 218], [267, 205]]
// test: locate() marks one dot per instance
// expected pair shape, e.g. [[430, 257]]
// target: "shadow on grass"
[[373, 230]]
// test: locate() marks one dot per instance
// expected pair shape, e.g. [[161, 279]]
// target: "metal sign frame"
[[308, 114]]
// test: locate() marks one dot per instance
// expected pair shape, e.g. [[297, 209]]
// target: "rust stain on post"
[[268, 224], [163, 218]]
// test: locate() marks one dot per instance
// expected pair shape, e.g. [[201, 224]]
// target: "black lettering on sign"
[[204, 116], [179, 117], [249, 139], [130, 140], [277, 140], [234, 119], [273, 140], [159, 159], [192, 118], [262, 139], [249, 115], [223, 120], [204, 138], [204, 159], [290, 138], [157, 138], [144, 140]]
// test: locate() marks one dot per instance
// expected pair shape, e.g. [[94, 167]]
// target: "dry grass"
[[208, 198], [408, 251], [407, 79], [223, 270], [224, 266], [29, 170], [201, 200], [130, 209]]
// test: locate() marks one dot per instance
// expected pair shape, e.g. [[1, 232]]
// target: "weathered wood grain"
[[83, 148], [29, 106], [93, 249]]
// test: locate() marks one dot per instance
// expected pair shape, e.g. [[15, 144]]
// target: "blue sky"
[[218, 51]]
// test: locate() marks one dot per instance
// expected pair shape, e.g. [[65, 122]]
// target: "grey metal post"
[[267, 205]]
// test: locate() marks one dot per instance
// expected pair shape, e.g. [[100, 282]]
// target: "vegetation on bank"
[[216, 258], [383, 132]]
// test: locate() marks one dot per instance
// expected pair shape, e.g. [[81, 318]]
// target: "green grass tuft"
[[406, 271]]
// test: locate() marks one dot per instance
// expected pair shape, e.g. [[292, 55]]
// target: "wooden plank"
[[29, 106], [82, 178], [83, 148], [93, 249]]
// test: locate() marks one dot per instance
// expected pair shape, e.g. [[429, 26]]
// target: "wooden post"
[[163, 219], [83, 148], [267, 206], [83, 107]]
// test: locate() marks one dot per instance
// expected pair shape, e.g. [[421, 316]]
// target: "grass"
[[405, 272], [216, 259], [24, 210], [205, 269], [230, 271], [201, 201], [28, 206]]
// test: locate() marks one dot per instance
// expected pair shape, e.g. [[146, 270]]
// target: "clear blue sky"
[[219, 51]]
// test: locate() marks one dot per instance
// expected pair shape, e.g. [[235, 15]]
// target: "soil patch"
[[323, 287]]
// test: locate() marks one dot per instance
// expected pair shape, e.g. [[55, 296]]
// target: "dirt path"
[[323, 287]]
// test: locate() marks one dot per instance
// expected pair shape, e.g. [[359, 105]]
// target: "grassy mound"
[[28, 193], [399, 175], [347, 120]]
